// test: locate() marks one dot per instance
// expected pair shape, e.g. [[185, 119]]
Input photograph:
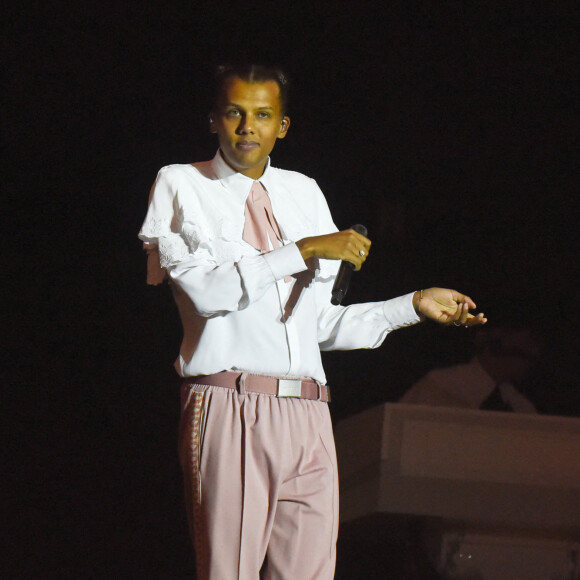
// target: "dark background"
[[447, 128]]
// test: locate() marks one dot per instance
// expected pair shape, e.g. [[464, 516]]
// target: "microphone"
[[344, 273]]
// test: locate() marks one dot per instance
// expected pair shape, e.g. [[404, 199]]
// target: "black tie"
[[495, 402]]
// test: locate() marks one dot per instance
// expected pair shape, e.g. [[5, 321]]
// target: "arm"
[[367, 325], [216, 289], [442, 305], [217, 272]]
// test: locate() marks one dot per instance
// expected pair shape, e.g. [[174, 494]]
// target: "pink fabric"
[[260, 221], [260, 480], [267, 385]]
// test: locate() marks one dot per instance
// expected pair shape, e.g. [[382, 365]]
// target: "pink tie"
[[260, 222]]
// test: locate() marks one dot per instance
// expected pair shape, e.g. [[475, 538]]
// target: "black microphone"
[[344, 273]]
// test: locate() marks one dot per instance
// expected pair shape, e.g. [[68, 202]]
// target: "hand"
[[346, 245], [447, 307]]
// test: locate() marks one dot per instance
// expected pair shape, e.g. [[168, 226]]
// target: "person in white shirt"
[[256, 440], [490, 380]]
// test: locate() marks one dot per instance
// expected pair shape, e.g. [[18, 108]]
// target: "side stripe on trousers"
[[190, 456]]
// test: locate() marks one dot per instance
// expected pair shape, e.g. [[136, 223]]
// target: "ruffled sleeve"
[[160, 231]]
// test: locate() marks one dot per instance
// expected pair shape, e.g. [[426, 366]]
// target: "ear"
[[284, 126], [212, 128]]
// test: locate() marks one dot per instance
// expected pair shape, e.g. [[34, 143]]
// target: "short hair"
[[251, 73]]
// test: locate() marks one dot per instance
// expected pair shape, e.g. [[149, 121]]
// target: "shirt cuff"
[[285, 261], [399, 312]]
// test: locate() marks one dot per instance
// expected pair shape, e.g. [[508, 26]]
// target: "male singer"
[[252, 253]]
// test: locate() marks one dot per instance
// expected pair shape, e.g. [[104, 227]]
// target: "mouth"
[[247, 145]]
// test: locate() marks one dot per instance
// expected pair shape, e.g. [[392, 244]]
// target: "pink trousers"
[[261, 485]]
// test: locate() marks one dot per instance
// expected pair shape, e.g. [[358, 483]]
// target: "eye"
[[232, 113], [263, 115]]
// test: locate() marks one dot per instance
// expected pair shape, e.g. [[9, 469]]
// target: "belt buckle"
[[289, 388]]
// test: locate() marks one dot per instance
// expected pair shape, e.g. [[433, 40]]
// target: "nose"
[[246, 126]]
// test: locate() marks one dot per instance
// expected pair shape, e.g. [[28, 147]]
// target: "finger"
[[357, 260], [357, 249], [458, 297], [459, 317], [353, 256], [363, 241], [476, 320], [464, 312], [456, 317], [361, 257], [363, 253], [358, 234]]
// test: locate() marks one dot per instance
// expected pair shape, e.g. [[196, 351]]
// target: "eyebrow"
[[263, 108]]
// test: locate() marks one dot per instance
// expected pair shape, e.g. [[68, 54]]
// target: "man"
[[490, 380], [251, 252]]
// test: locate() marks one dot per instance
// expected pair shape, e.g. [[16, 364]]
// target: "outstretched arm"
[[447, 306]]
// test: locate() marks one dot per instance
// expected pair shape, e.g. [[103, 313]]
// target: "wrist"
[[417, 299], [305, 247]]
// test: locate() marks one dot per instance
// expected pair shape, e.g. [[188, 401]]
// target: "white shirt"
[[238, 312], [465, 385]]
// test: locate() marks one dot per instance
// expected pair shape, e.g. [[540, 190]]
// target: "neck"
[[251, 172]]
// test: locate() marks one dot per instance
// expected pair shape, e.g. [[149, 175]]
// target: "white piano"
[[499, 492]]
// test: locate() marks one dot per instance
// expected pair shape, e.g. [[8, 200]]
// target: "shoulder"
[[300, 195], [183, 178], [179, 171], [300, 187], [294, 177]]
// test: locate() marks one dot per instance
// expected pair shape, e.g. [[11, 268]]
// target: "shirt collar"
[[236, 181]]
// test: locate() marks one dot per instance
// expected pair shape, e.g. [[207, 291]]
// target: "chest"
[[218, 212]]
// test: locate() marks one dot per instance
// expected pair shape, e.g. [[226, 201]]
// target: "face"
[[248, 120]]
